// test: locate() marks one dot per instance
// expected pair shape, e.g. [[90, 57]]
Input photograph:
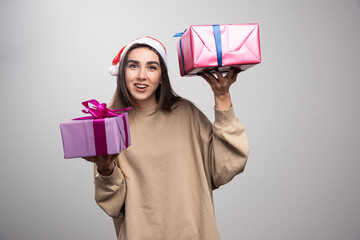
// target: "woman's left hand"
[[220, 85]]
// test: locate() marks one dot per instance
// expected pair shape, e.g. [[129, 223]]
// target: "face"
[[143, 76]]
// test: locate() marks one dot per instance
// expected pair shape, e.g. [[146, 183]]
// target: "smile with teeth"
[[141, 86]]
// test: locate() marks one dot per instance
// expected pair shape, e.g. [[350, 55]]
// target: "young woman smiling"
[[142, 77], [177, 158]]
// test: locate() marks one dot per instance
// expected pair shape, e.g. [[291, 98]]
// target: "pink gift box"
[[86, 137], [205, 47]]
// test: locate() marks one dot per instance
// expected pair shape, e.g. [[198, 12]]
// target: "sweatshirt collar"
[[145, 112]]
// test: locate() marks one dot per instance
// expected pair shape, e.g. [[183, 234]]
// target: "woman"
[[163, 189]]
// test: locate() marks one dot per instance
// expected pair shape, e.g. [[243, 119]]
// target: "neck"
[[144, 105]]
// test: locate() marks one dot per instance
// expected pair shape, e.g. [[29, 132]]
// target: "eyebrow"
[[148, 63]]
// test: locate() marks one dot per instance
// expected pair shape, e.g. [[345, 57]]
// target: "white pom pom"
[[114, 70]]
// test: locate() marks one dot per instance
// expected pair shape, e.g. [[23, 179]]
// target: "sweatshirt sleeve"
[[110, 191], [229, 148]]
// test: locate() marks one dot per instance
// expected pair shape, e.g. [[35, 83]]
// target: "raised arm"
[[220, 86], [229, 148]]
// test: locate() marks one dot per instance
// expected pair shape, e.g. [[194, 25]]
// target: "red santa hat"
[[152, 42]]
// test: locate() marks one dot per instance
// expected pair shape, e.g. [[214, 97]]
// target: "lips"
[[141, 87]]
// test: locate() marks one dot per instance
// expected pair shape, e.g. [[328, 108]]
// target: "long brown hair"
[[164, 94]]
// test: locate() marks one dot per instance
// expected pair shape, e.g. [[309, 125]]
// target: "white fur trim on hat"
[[157, 45]]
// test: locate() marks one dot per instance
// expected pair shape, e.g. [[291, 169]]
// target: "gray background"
[[299, 107]]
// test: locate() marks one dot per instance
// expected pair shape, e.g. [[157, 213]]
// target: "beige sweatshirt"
[[174, 163]]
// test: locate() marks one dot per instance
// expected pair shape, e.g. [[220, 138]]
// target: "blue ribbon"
[[217, 35], [178, 34], [181, 51], [182, 57]]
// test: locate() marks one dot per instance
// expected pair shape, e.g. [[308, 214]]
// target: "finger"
[[219, 75], [106, 158], [236, 74], [213, 81], [114, 157], [230, 74], [206, 79], [202, 75]]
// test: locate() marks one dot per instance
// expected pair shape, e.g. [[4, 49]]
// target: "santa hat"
[[152, 42]]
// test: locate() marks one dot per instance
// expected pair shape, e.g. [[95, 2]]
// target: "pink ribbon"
[[99, 112]]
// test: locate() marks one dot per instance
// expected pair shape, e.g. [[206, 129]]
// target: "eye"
[[132, 66], [153, 67]]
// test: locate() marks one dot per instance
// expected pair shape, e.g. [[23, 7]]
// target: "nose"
[[142, 73]]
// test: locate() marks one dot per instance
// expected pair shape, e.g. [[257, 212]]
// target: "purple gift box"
[[106, 132]]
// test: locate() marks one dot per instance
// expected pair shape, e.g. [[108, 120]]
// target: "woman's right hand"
[[105, 164]]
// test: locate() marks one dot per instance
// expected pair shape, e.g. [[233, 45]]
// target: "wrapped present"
[[206, 47], [106, 132]]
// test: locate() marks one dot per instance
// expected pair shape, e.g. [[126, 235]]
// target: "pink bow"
[[99, 110]]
